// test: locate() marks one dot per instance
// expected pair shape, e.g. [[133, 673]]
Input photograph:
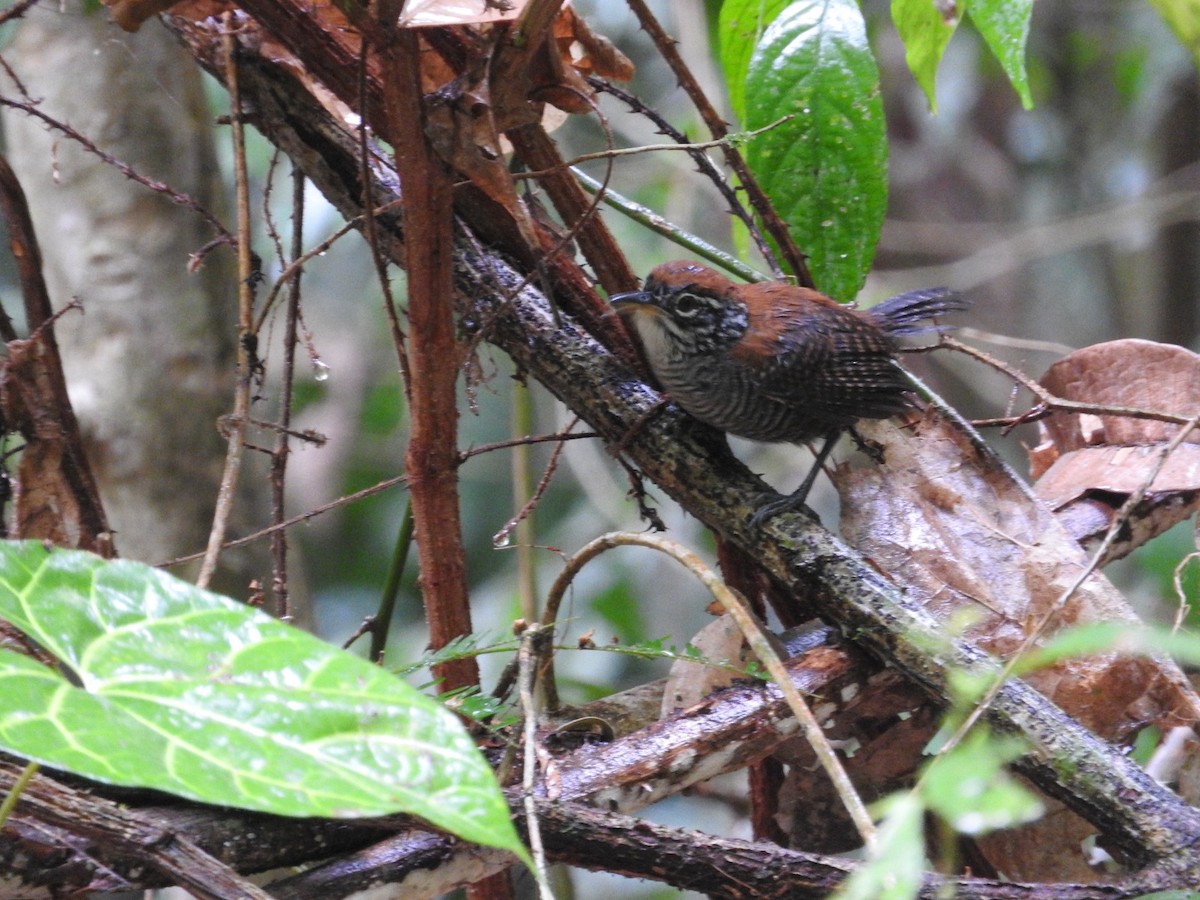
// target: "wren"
[[775, 362]]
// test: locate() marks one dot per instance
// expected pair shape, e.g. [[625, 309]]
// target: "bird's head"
[[684, 309]]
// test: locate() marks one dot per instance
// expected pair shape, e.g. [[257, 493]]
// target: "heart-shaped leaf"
[[163, 685]]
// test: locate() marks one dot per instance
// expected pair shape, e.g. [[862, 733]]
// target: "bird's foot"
[[778, 506], [872, 449]]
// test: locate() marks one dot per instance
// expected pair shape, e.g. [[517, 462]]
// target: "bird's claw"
[[780, 505]]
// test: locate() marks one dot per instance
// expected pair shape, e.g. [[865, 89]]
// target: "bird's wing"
[[830, 365]]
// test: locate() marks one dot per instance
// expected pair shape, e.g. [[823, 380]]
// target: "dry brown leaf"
[[690, 682], [960, 532], [590, 53], [1088, 464], [49, 483], [130, 14], [961, 535], [1129, 372]]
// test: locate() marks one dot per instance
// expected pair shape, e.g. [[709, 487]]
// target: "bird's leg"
[[873, 449], [795, 500]]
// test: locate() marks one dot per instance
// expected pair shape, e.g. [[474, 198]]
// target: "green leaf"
[[970, 789], [178, 689], [894, 868], [1183, 18], [825, 169], [1113, 637], [925, 32], [1004, 26], [739, 27]]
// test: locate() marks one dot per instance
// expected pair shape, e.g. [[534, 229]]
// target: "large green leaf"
[[739, 27], [825, 169], [171, 687]]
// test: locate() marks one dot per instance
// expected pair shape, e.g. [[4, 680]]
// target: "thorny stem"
[[279, 457], [30, 107], [614, 152], [387, 483], [241, 397], [703, 162], [718, 129]]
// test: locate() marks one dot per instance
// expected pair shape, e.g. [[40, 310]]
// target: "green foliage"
[[1114, 637], [966, 787], [925, 32], [162, 685], [825, 169], [1183, 17], [894, 869], [1004, 26], [740, 28], [969, 788]]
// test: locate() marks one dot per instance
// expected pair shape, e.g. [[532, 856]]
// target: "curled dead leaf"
[[1130, 373], [1087, 464]]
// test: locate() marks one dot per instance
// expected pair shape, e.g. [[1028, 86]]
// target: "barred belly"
[[723, 397]]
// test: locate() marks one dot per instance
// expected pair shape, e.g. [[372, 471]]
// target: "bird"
[[775, 362]]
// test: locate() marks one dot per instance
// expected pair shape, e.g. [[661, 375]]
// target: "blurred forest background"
[[1075, 222]]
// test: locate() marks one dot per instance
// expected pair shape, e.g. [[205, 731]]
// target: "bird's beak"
[[630, 300]]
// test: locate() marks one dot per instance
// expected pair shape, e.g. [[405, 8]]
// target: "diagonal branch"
[[1143, 820]]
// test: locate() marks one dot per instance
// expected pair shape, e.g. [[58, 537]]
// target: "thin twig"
[[613, 153], [241, 397], [527, 658], [16, 11], [704, 163], [652, 220], [14, 793], [718, 128], [501, 537], [279, 456], [381, 622], [757, 637], [1054, 403], [526, 497], [30, 107], [528, 439], [385, 484], [370, 232]]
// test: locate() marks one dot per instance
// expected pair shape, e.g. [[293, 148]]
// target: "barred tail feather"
[[909, 313]]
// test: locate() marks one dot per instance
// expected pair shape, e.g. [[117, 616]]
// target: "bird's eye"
[[687, 304]]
